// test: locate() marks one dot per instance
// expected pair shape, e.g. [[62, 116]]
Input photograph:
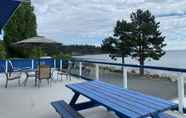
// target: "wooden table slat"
[[129, 103], [103, 101], [127, 97], [141, 99], [145, 97], [133, 106]]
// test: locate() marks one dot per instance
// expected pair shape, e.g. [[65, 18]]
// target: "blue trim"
[[27, 63], [7, 8], [134, 66]]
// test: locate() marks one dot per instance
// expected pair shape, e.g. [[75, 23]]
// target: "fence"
[[79, 70], [29, 63]]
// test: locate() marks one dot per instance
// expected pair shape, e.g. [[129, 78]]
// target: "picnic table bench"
[[125, 103]]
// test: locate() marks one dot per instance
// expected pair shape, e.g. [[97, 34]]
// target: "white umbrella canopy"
[[36, 42], [39, 40]]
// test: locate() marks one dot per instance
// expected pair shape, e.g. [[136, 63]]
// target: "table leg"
[[74, 99]]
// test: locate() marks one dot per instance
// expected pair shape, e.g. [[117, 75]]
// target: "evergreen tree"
[[140, 38], [22, 25]]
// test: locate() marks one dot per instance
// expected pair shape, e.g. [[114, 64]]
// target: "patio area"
[[34, 102]]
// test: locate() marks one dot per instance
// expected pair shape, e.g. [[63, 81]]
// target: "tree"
[[22, 25], [2, 51], [139, 38], [37, 53], [120, 44]]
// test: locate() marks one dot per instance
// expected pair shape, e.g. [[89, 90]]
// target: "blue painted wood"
[[65, 110], [125, 103], [123, 100], [7, 8], [85, 105], [135, 95], [130, 97], [20, 63], [58, 63], [2, 66], [49, 62], [74, 99], [133, 106], [102, 101], [115, 101]]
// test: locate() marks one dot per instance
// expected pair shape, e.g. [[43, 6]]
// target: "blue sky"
[[90, 21]]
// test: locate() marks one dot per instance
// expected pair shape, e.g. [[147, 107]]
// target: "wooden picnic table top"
[[127, 103]]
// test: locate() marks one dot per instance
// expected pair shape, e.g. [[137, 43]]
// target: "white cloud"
[[90, 21]]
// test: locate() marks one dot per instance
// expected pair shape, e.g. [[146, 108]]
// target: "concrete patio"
[[33, 102]]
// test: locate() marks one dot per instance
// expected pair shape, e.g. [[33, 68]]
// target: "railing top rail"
[[183, 70]]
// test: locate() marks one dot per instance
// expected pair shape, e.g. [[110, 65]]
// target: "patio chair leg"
[[25, 82], [26, 79], [39, 84], [48, 80], [70, 77], [6, 85], [61, 77], [50, 83], [57, 76], [19, 82], [67, 76], [35, 82]]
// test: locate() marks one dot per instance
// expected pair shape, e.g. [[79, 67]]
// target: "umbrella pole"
[[38, 55], [39, 65]]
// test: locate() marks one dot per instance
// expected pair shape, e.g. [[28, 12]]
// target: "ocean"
[[174, 59]]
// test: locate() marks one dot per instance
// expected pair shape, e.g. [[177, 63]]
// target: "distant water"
[[175, 59]]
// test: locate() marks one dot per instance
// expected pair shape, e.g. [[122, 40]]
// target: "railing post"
[[125, 85], [97, 71], [80, 69], [181, 93], [6, 66], [61, 64], [32, 64], [54, 63]]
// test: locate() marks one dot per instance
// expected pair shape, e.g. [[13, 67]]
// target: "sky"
[[90, 21]]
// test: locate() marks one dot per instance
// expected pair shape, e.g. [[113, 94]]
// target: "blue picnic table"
[[125, 103]]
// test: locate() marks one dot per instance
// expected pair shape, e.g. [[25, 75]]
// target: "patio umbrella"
[[39, 40], [36, 42], [7, 8]]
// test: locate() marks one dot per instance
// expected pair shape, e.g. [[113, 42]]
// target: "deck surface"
[[31, 102]]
